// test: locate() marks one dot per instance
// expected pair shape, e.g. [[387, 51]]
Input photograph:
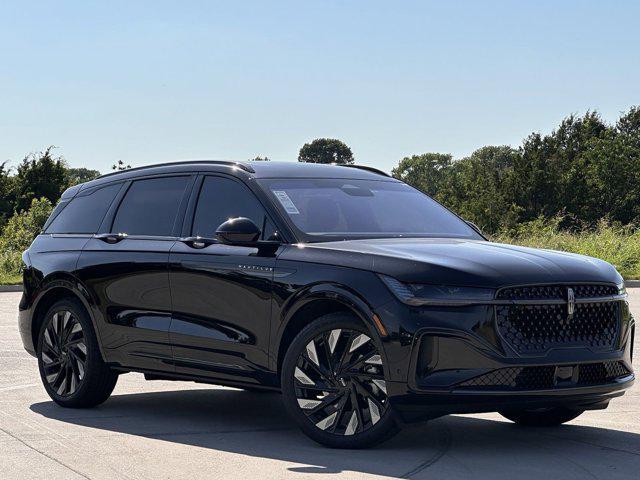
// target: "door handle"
[[198, 242], [111, 237]]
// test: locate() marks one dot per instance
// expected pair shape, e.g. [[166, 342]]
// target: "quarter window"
[[221, 199], [84, 213], [150, 207]]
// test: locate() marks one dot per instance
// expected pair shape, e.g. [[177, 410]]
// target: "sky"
[[150, 82]]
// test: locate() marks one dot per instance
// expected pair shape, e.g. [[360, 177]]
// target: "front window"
[[329, 209], [221, 199]]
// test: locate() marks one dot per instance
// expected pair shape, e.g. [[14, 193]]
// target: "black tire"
[[71, 367], [550, 417], [343, 407]]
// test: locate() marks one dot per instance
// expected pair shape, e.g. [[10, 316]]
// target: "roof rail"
[[239, 165], [366, 168]]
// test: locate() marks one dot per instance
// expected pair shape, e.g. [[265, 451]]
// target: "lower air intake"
[[544, 377]]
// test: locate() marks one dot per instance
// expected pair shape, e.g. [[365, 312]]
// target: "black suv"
[[365, 302]]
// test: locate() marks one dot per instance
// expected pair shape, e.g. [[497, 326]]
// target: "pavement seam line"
[[444, 444], [62, 464]]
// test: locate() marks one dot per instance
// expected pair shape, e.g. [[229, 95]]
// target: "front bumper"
[[454, 360], [414, 407]]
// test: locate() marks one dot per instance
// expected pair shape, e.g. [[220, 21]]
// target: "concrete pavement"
[[156, 430]]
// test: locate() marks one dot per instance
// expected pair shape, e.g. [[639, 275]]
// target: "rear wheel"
[[71, 367], [548, 417], [333, 384]]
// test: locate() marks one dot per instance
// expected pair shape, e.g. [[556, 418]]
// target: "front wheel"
[[548, 417], [333, 384], [71, 367]]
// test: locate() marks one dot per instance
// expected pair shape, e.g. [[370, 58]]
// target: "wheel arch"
[[54, 289], [313, 303]]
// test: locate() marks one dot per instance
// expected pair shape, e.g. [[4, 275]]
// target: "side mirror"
[[239, 230], [475, 227], [242, 232]]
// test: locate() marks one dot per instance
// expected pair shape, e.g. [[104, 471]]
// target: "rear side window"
[[221, 199], [150, 207], [84, 213]]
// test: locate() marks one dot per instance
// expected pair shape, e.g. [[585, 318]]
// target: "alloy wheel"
[[339, 382], [64, 353]]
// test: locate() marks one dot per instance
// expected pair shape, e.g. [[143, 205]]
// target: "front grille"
[[544, 377], [534, 329], [559, 292]]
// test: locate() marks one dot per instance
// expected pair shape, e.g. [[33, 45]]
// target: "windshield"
[[327, 209]]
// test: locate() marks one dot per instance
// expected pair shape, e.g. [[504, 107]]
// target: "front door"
[[221, 294]]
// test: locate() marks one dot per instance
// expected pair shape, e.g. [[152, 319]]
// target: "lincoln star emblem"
[[571, 303]]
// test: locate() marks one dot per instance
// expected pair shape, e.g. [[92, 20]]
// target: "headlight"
[[422, 294], [622, 290]]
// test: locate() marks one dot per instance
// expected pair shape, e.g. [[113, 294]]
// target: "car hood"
[[466, 262]]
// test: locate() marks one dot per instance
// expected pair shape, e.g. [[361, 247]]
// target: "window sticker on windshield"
[[286, 202]]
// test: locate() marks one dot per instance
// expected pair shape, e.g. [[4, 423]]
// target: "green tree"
[[80, 175], [7, 194], [479, 188], [612, 173], [39, 175], [260, 159], [326, 150], [551, 175], [429, 172]]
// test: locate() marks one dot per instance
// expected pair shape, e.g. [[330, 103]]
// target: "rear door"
[[125, 268], [221, 294]]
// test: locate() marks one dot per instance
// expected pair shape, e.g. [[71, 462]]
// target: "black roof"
[[265, 169], [317, 170]]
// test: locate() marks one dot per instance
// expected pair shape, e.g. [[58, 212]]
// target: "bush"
[[616, 244], [19, 232]]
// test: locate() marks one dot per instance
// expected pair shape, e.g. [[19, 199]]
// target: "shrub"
[[19, 232]]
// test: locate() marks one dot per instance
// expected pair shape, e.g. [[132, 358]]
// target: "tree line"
[[41, 175], [584, 171]]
